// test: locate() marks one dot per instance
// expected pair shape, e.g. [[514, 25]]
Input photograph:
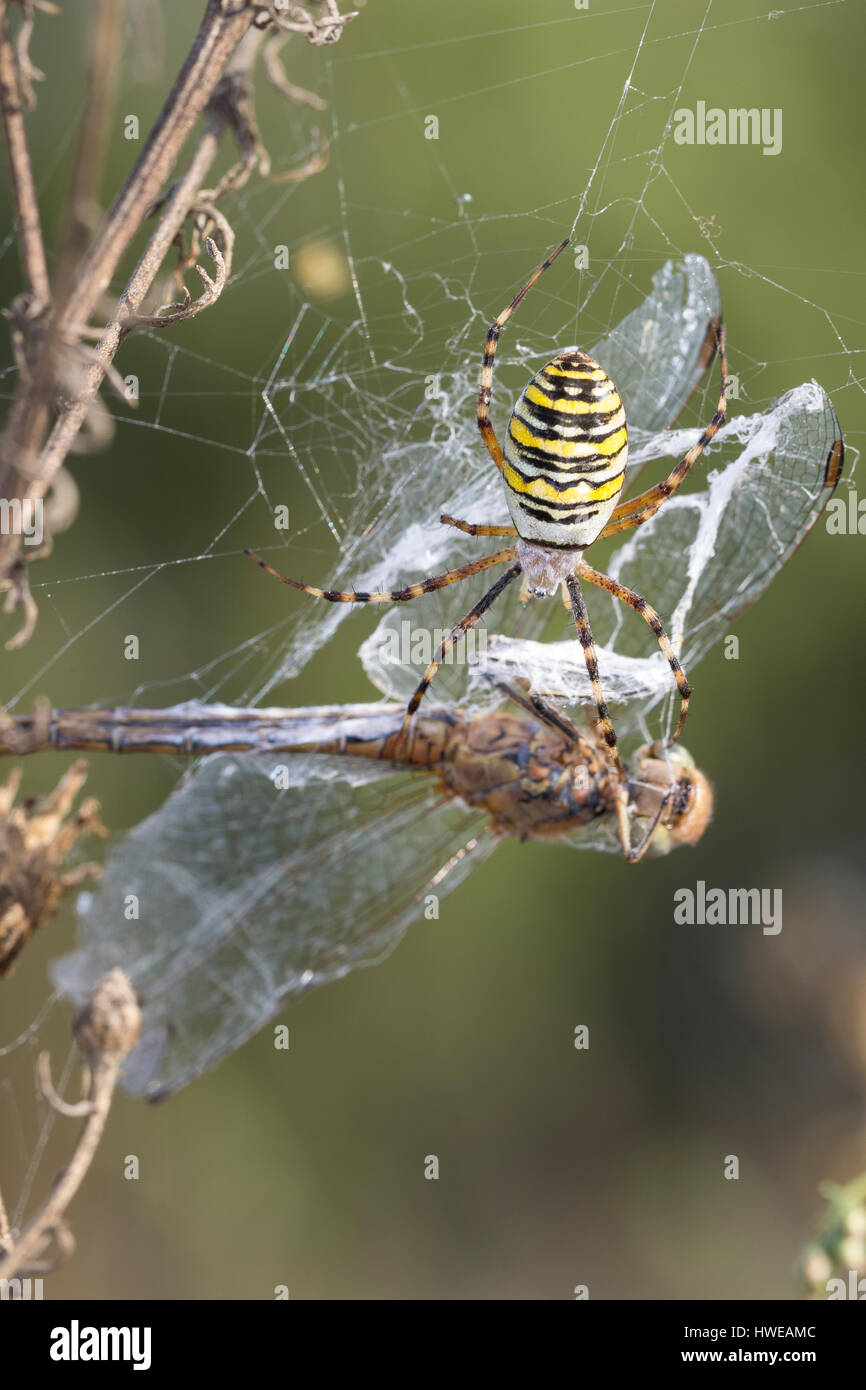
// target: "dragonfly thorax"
[[565, 453], [529, 780]]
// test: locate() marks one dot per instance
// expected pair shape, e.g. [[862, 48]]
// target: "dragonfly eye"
[[693, 807]]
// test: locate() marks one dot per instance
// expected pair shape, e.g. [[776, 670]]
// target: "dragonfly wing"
[[654, 355], [707, 556], [660, 351], [657, 355], [702, 559], [249, 894]]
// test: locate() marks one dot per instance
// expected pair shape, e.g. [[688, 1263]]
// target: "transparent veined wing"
[[748, 522], [249, 894], [266, 874], [205, 943], [702, 559], [657, 355]]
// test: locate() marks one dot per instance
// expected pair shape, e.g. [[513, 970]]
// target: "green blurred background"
[[557, 1167]]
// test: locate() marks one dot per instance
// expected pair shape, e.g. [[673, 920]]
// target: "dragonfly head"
[[690, 805]]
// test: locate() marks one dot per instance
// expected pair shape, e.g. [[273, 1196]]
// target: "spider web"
[[359, 418], [357, 411]]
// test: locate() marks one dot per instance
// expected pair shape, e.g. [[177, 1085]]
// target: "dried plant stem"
[[102, 78], [47, 331], [182, 198], [21, 474], [26, 206], [35, 1235], [222, 29], [28, 414], [106, 1031]]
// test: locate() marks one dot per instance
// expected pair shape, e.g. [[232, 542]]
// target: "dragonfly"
[[258, 880]]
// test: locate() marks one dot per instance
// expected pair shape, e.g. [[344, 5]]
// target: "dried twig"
[[175, 212], [36, 837], [106, 1031], [170, 314], [27, 71], [223, 28], [277, 77], [83, 209], [296, 19], [13, 103], [52, 368], [22, 473]]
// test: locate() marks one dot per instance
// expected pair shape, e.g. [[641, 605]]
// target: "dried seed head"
[[109, 1024]]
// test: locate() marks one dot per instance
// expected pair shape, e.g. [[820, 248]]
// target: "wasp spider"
[[563, 466]]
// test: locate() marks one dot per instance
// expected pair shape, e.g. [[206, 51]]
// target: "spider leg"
[[467, 622], [554, 719], [650, 616], [424, 586], [484, 395], [547, 714], [635, 852], [604, 726], [472, 529], [636, 510]]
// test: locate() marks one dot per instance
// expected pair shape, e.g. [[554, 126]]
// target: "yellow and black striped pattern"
[[565, 453]]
